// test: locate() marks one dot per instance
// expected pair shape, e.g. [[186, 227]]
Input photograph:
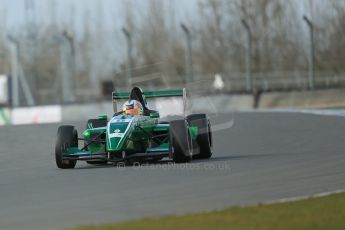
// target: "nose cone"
[[118, 130]]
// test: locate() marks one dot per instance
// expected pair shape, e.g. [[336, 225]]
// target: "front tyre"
[[67, 137]]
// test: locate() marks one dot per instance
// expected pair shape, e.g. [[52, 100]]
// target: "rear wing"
[[151, 94], [167, 94]]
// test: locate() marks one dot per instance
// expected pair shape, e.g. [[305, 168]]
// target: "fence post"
[[311, 74], [129, 57], [189, 60], [248, 56]]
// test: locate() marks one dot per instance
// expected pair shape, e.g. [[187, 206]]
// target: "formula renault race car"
[[136, 138]]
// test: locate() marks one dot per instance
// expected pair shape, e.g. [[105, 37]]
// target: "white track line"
[[322, 112], [297, 198]]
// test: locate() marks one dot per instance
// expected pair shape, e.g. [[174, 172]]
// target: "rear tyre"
[[180, 147], [67, 136], [204, 138]]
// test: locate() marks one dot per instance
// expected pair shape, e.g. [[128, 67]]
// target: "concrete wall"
[[220, 103], [306, 99], [82, 112], [319, 99]]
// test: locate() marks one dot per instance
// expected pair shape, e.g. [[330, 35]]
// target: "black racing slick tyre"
[[204, 138], [180, 141], [67, 136]]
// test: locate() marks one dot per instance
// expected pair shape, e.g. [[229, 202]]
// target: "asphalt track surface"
[[263, 157]]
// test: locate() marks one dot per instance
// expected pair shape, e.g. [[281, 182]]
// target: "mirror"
[[103, 117], [154, 115]]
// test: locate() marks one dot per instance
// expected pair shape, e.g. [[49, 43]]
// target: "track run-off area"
[[263, 156]]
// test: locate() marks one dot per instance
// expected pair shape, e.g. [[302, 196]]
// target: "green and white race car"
[[136, 138]]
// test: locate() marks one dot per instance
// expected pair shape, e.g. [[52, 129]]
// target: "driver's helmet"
[[133, 107]]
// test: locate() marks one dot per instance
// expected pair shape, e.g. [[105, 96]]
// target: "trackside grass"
[[311, 214]]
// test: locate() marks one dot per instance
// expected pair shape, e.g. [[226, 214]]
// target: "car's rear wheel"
[[180, 146], [204, 138], [67, 136]]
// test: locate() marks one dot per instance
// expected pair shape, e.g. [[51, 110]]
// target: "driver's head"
[[133, 107]]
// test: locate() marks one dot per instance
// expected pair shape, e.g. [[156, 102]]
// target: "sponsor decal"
[[116, 135], [117, 131], [121, 120]]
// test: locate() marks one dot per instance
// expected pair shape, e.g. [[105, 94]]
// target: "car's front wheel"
[[67, 137]]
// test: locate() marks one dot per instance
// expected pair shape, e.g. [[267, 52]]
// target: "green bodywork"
[[126, 134], [4, 117], [129, 134]]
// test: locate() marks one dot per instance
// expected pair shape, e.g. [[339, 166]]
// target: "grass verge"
[[311, 214]]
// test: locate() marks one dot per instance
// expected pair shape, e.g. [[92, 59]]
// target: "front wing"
[[75, 153]]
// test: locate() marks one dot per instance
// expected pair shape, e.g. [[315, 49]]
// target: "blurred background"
[[73, 51]]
